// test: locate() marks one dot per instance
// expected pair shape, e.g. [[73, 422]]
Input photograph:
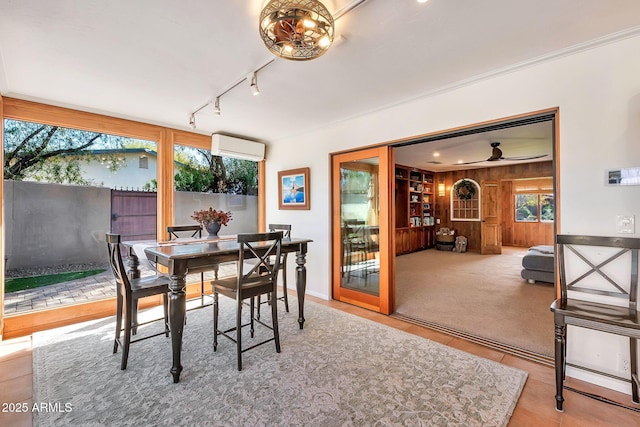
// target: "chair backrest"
[[285, 228], [117, 266], [372, 234], [174, 231], [599, 265], [259, 248], [354, 229]]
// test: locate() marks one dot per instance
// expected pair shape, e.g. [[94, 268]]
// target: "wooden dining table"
[[182, 256]]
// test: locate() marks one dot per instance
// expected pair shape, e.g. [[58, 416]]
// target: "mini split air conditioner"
[[229, 146]]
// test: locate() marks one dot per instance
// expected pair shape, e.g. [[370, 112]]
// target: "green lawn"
[[21, 283]]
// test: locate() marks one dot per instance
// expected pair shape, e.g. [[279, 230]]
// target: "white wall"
[[598, 93]]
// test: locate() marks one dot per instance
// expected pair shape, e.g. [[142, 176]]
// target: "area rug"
[[341, 370]]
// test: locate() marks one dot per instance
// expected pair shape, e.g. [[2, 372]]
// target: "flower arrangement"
[[211, 215]]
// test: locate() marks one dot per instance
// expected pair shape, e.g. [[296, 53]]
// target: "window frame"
[[476, 199], [538, 196]]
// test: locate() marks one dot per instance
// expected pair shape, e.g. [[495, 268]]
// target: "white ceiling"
[[157, 61]]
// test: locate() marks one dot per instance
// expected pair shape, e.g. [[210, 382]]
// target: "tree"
[[42, 152], [55, 154], [203, 172]]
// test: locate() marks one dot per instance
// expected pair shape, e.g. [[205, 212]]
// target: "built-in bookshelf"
[[414, 209]]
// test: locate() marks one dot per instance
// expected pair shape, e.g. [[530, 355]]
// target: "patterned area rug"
[[341, 370]]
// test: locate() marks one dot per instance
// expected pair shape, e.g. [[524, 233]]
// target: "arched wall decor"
[[465, 200]]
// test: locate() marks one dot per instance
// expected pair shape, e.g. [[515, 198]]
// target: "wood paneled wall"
[[524, 234]]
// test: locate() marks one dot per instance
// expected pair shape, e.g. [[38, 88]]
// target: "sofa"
[[539, 264]]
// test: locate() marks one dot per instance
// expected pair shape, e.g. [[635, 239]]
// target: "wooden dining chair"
[[260, 279], [194, 230], [286, 234], [599, 267], [128, 292]]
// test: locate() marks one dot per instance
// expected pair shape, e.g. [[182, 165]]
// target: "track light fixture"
[[254, 84], [292, 29]]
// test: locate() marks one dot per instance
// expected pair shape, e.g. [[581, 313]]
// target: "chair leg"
[[274, 319], [284, 287], [202, 288], [165, 303], [251, 308], [258, 307], [560, 344], [215, 321], [118, 321], [633, 346], [128, 320], [239, 331], [134, 317]]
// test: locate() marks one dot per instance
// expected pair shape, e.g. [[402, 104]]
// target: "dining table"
[[181, 256]]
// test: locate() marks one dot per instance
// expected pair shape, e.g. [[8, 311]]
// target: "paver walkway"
[[92, 288]]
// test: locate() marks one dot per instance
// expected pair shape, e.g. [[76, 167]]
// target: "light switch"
[[626, 224]]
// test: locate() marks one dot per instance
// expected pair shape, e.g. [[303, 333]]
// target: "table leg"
[[177, 310], [301, 281]]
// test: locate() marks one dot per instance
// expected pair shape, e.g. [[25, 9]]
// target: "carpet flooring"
[[481, 295], [341, 370]]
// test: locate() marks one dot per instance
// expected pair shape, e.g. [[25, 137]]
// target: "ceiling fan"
[[496, 155]]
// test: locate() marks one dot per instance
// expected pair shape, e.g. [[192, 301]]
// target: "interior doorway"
[[509, 153]]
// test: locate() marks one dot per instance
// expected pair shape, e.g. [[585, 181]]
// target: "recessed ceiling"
[[157, 61], [448, 154]]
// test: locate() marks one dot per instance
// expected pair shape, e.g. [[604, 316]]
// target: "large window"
[[535, 208], [63, 189], [203, 181]]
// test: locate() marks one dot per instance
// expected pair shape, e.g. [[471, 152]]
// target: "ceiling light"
[[422, 1], [254, 84], [216, 109], [436, 154], [296, 29]]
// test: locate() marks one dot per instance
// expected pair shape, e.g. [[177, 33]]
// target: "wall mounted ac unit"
[[229, 146]]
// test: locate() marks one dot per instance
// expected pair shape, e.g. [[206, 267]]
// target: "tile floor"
[[536, 406]]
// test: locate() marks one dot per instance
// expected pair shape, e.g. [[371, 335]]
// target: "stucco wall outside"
[[54, 224]]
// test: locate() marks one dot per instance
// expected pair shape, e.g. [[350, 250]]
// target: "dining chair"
[[286, 234], [355, 246], [128, 292], [195, 230], [599, 291], [260, 279]]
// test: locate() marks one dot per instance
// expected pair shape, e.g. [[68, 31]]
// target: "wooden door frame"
[[385, 302], [553, 113]]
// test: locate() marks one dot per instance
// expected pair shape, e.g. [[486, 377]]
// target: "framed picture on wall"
[[293, 189]]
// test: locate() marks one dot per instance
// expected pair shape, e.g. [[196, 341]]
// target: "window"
[[535, 208], [465, 200], [143, 162]]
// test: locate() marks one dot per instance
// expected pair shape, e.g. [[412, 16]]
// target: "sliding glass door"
[[361, 259]]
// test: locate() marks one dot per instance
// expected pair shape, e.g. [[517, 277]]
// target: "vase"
[[212, 228]]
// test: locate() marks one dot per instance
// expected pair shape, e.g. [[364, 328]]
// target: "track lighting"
[[216, 109], [254, 84]]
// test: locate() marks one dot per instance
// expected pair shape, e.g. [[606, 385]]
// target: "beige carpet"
[[483, 295]]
